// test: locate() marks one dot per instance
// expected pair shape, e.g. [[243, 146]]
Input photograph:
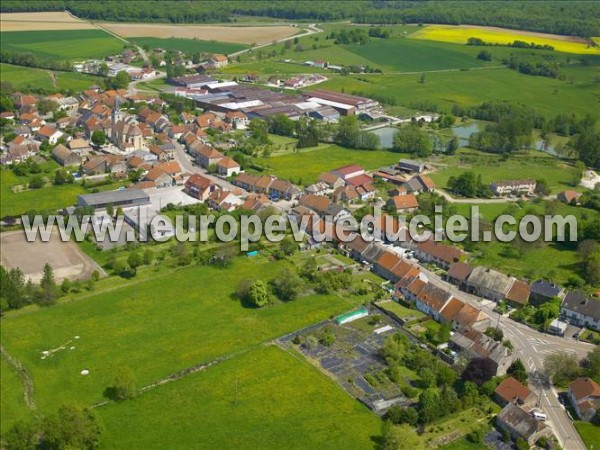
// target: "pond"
[[386, 136]]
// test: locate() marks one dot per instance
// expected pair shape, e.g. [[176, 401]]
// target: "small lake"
[[386, 136]]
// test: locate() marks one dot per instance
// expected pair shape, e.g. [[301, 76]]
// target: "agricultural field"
[[235, 34], [280, 402], [310, 163], [64, 45], [188, 46], [36, 21], [24, 78], [152, 329], [461, 33]]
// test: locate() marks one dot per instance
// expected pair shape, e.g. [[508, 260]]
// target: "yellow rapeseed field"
[[459, 35]]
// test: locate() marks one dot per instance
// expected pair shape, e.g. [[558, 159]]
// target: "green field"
[[46, 198], [64, 44], [188, 46], [282, 402], [12, 403], [27, 78], [558, 175], [154, 327], [309, 164], [589, 433], [401, 311]]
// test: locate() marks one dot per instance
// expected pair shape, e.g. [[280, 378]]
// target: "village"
[[176, 158]]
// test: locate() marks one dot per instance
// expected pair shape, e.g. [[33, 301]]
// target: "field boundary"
[[24, 376]]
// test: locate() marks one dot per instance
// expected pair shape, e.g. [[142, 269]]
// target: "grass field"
[[47, 198], [399, 310], [589, 433], [188, 45], [65, 44], [557, 174], [154, 327], [445, 89], [460, 35], [308, 165], [23, 78], [282, 402], [12, 404]]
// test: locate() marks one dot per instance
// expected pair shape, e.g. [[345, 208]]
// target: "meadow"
[[12, 403], [307, 165], [558, 174], [188, 45], [589, 433], [460, 35], [155, 326], [64, 44], [264, 398], [25, 78]]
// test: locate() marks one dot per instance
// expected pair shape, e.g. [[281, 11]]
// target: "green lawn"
[[589, 433], [46, 198], [188, 46], [63, 44], [24, 78], [12, 404], [174, 320], [282, 402], [399, 310], [308, 165]]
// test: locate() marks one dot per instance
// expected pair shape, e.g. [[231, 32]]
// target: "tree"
[[99, 137], [541, 187], [592, 364], [399, 415], [562, 368], [148, 257], [453, 145], [422, 78], [258, 294], [71, 428], [412, 139], [48, 289], [62, 176], [587, 146], [288, 246], [21, 436], [287, 285], [135, 260], [518, 371], [36, 182], [427, 377], [428, 405], [469, 394], [479, 370], [522, 444], [443, 333], [123, 386], [485, 55], [120, 81], [46, 106], [400, 437]]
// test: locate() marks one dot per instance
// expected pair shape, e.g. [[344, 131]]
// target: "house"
[[159, 177], [458, 274], [518, 294], [521, 424], [66, 157], [403, 203], [512, 391], [238, 119], [228, 167], [318, 203], [222, 200], [419, 183], [431, 300], [543, 291], [584, 395], [255, 202], [513, 187], [407, 165], [581, 310], [489, 283], [95, 166], [469, 317], [218, 60], [283, 189], [569, 197], [207, 156], [345, 194], [318, 188], [50, 134], [441, 254], [332, 180], [474, 344], [80, 146], [199, 187]]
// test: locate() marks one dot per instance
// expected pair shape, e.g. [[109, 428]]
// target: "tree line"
[[576, 18]]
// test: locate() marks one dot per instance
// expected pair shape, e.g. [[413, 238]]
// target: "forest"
[[576, 18]]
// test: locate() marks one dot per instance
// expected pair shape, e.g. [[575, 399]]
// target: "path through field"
[[23, 374]]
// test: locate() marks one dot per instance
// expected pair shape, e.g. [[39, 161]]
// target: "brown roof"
[[433, 296], [405, 201], [46, 131], [218, 57], [519, 292], [468, 315], [155, 174], [444, 252], [210, 152], [451, 309], [143, 185], [198, 181], [512, 391], [171, 167], [569, 196], [228, 163], [460, 271], [318, 203], [329, 178], [584, 387], [416, 286], [388, 260], [426, 181]]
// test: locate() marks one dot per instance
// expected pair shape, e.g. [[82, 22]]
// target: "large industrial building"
[[125, 198]]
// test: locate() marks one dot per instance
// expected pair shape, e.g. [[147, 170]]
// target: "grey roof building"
[[520, 424], [543, 291], [126, 197], [489, 283], [581, 310]]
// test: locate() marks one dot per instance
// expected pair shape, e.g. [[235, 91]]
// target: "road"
[[531, 347], [482, 201]]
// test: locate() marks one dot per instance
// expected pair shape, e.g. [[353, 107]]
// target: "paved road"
[[531, 347]]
